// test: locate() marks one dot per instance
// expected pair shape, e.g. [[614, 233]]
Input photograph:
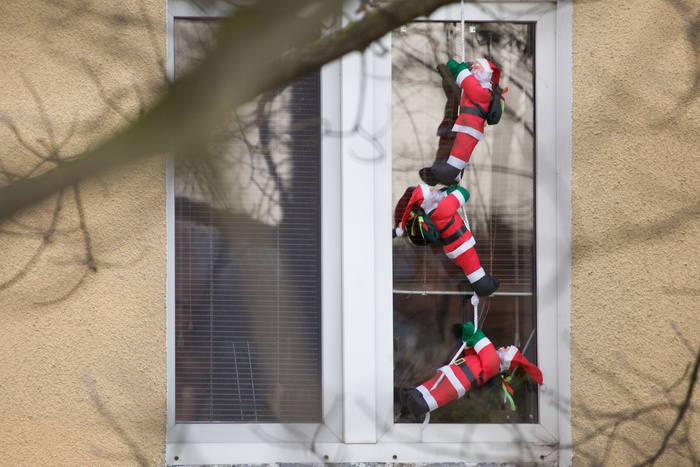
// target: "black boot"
[[485, 286], [426, 174], [413, 399], [440, 172]]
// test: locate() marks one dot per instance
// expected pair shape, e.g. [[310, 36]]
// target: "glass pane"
[[431, 294], [247, 245]]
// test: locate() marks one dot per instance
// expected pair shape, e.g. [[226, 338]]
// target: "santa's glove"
[[456, 68], [460, 189], [476, 337], [485, 286], [467, 331]]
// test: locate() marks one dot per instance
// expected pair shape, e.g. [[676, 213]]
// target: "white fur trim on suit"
[[476, 275], [483, 342], [461, 249], [462, 76], [468, 130], [452, 378], [485, 64], [456, 162], [429, 399], [459, 196]]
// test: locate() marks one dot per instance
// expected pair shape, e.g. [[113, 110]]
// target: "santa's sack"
[[496, 107], [420, 228]]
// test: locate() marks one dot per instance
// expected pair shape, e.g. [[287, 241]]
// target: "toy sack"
[[420, 228], [496, 108]]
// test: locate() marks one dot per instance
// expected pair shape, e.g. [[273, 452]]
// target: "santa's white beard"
[[484, 78], [432, 200]]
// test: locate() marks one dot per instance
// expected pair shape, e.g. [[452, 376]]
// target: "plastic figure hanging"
[[427, 213], [480, 363], [481, 99]]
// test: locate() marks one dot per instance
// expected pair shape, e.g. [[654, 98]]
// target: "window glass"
[[247, 258], [431, 294]]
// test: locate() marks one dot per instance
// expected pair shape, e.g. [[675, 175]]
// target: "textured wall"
[[636, 227], [82, 281]]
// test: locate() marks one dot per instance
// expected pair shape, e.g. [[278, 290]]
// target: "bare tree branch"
[[682, 410], [229, 76]]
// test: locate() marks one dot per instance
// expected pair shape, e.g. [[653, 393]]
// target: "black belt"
[[455, 236], [452, 221], [472, 111], [462, 364]]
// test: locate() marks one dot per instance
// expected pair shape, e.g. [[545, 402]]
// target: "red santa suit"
[[470, 123], [457, 241], [479, 364], [469, 126]]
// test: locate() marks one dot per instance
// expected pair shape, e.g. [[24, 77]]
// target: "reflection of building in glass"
[[431, 294], [247, 266]]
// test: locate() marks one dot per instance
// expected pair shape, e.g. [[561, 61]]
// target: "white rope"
[[466, 220], [462, 31], [422, 427], [475, 303]]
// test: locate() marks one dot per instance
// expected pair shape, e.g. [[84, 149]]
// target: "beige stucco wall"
[[636, 226], [82, 350]]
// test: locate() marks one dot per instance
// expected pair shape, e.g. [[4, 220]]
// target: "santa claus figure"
[[480, 363], [441, 207], [476, 81]]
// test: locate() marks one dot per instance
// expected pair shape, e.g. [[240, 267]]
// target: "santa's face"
[[502, 352], [432, 199], [482, 72]]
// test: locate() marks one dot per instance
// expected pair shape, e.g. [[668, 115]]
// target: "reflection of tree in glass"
[[428, 292], [254, 348]]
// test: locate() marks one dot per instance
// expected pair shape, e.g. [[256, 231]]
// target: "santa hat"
[[490, 67], [513, 359], [400, 208], [417, 196]]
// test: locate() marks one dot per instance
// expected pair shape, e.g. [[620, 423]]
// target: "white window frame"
[[357, 287]]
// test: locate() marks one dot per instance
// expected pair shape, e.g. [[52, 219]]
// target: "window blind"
[[247, 266]]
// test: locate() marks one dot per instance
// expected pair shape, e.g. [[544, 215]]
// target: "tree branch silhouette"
[[205, 96], [682, 411]]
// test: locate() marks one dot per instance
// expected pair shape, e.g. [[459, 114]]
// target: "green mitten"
[[476, 337], [467, 331], [456, 68], [461, 189]]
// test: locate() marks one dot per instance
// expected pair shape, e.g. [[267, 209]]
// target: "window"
[[430, 292], [351, 160], [247, 260]]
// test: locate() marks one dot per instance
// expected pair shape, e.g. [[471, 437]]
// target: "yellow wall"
[[82, 351], [636, 224]]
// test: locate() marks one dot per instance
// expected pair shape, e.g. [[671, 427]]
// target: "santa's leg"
[[429, 396], [465, 256], [444, 131]]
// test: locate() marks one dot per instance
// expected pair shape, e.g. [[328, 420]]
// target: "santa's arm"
[[490, 363], [475, 92], [466, 80], [456, 197]]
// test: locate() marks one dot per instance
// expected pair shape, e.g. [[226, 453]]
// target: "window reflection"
[[430, 293], [247, 265]]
